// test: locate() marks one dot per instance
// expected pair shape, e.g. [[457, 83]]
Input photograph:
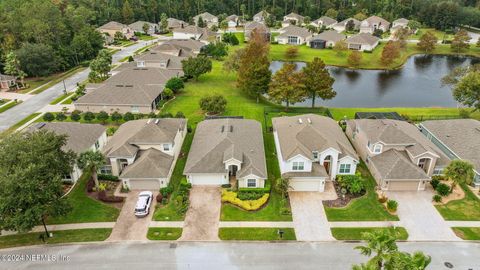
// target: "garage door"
[[144, 184], [208, 179], [403, 185], [307, 185]]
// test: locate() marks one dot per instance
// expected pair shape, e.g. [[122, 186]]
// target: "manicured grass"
[[439, 34], [168, 212], [164, 233], [60, 98], [145, 37], [85, 209], [256, 234], [467, 233], [414, 113], [467, 208], [19, 124], [365, 208], [355, 233], [9, 105], [271, 212], [56, 79], [241, 37], [67, 236]]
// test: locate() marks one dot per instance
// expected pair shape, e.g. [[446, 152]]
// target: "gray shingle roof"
[[325, 20], [171, 62], [401, 20], [295, 15], [462, 136], [113, 25], [377, 20], [315, 133], [330, 35], [175, 23], [204, 33], [138, 25], [260, 14], [205, 16], [256, 25], [293, 30], [240, 138], [151, 163], [363, 38], [80, 137], [317, 171], [395, 165]]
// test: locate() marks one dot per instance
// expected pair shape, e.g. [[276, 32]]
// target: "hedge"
[[107, 177], [265, 189], [231, 197]]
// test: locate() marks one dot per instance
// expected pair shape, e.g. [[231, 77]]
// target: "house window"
[[97, 145], [315, 155], [377, 148], [107, 169], [166, 147], [292, 40], [251, 182], [345, 168], [67, 177], [134, 109], [437, 171], [298, 166], [141, 64]]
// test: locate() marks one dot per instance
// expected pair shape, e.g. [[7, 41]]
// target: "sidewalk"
[[73, 226], [12, 96]]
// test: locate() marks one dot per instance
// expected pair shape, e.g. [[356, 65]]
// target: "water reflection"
[[416, 84]]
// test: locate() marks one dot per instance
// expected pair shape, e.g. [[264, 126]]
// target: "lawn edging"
[[256, 234]]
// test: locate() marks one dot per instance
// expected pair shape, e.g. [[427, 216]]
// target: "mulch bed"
[[66, 187], [341, 201], [111, 186]]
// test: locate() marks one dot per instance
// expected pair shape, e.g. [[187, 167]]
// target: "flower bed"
[[249, 205]]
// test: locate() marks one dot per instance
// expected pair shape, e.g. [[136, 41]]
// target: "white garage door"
[[403, 185], [307, 185], [144, 184], [208, 179]]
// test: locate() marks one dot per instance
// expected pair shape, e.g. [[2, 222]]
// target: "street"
[[230, 255], [37, 102]]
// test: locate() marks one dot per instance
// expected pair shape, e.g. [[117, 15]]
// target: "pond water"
[[416, 84]]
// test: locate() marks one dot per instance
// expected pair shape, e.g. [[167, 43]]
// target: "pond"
[[416, 84]]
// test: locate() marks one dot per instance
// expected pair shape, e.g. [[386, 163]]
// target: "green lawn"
[[60, 98], [19, 124], [164, 233], [365, 208], [414, 113], [9, 106], [438, 33], [85, 209], [145, 37], [355, 233], [467, 233], [256, 234], [67, 236], [467, 208], [49, 81]]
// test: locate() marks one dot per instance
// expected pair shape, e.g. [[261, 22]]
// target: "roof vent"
[[129, 85], [119, 85], [149, 120], [156, 121], [300, 121], [223, 129], [231, 128], [309, 121]]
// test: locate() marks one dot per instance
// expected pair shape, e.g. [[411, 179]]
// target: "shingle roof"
[[256, 25], [314, 133], [377, 20], [293, 30], [401, 20], [171, 62], [232, 18], [260, 14], [175, 23], [330, 35], [317, 171], [395, 165], [325, 20], [113, 25], [295, 15], [462, 136], [355, 21], [218, 139], [363, 38], [80, 136], [151, 163], [204, 33], [144, 131], [205, 16], [138, 25]]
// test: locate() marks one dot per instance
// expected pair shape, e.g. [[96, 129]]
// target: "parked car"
[[134, 38], [143, 203]]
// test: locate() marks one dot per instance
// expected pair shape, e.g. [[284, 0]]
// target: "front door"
[[232, 170]]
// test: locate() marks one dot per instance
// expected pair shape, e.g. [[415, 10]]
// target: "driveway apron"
[[309, 218], [128, 226], [202, 219]]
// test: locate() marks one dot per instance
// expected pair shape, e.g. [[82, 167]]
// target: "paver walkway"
[[309, 218], [418, 215], [128, 226], [202, 219]]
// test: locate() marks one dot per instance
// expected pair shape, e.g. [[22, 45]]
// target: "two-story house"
[[324, 21], [458, 139], [227, 151], [312, 149], [397, 154], [261, 16], [80, 138], [111, 28], [292, 19], [143, 152], [138, 26], [209, 19], [372, 23]]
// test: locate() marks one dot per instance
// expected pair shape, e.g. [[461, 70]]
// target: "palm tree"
[[92, 160], [366, 266], [407, 261], [460, 172], [381, 244], [421, 260]]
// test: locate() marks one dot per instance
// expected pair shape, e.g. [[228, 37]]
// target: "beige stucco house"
[[113, 27], [293, 35], [209, 19], [362, 42], [372, 23]]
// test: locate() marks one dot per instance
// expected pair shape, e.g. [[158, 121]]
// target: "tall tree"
[[317, 81], [459, 172], [460, 41], [354, 59], [91, 160], [100, 66], [287, 86], [127, 12], [340, 47], [254, 73], [466, 85], [428, 42], [196, 66], [13, 67], [32, 166], [380, 244], [163, 23], [390, 52]]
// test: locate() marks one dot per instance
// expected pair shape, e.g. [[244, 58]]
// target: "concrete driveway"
[[309, 219], [202, 219], [128, 226], [421, 219]]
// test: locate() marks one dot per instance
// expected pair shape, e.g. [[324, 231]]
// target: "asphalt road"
[[37, 102], [210, 255]]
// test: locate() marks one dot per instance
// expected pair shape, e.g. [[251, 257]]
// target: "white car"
[[143, 203]]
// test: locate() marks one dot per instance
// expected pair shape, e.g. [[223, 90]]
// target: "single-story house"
[[261, 16], [196, 33], [180, 47], [227, 149], [259, 28], [173, 23], [324, 21], [7, 81], [156, 59], [362, 42], [143, 153], [293, 35], [372, 23], [209, 19], [397, 154], [312, 149], [325, 39], [458, 139], [342, 26], [80, 138], [401, 23], [111, 28], [292, 19], [233, 21], [138, 27]]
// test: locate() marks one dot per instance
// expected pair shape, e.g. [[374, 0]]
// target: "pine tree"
[[317, 81]]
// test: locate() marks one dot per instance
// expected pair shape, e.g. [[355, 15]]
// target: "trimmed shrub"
[[226, 186], [75, 116], [175, 83], [265, 189], [443, 189], [392, 205], [49, 117], [248, 195], [165, 191], [179, 115], [107, 177], [61, 117], [437, 198], [250, 205], [128, 116], [354, 184], [434, 183], [159, 197], [88, 116]]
